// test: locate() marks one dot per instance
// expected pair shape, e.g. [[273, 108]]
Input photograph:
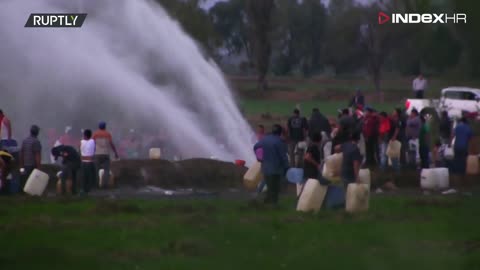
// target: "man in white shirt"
[[87, 151], [419, 86]]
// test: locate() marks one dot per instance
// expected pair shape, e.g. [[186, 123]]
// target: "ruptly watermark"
[[71, 20]]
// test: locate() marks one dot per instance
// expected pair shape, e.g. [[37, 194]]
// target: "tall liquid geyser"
[[130, 63]]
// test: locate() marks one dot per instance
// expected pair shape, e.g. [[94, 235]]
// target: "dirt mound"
[[193, 173]]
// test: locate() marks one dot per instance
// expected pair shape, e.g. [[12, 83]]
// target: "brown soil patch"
[[193, 173]]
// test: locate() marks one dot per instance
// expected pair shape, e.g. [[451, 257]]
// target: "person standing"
[[87, 152], [463, 134], [297, 128], [358, 100], [5, 129], [318, 123], [397, 133], [370, 133], [384, 139], [103, 146], [30, 154], [274, 162], [312, 158], [445, 128], [424, 143], [419, 85], [352, 159], [71, 163], [414, 124]]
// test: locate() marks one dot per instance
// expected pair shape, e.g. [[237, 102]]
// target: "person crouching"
[[70, 165]]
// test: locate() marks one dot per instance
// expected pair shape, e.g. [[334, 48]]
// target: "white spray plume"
[[129, 63]]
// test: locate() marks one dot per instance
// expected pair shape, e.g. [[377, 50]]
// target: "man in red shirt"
[[384, 131]]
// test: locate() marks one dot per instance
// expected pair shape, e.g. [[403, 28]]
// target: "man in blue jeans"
[[274, 163], [463, 135]]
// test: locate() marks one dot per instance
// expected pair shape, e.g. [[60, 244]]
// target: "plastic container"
[[302, 146], [443, 178], [427, 179], [295, 175], [155, 153], [312, 196], [111, 181], [335, 197], [253, 176], [327, 149], [240, 163], [332, 167], [358, 197], [37, 183], [473, 167], [365, 176], [393, 149]]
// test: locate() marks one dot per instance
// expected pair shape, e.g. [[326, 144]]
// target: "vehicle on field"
[[457, 101]]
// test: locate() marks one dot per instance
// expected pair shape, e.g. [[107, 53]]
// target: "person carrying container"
[[274, 163], [30, 154]]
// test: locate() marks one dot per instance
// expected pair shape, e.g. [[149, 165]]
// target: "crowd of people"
[[362, 134], [82, 156]]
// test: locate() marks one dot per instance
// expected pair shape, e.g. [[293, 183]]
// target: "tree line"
[[284, 37]]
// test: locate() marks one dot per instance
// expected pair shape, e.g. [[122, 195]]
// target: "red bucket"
[[240, 163]]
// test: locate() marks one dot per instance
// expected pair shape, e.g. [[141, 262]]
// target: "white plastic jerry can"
[[393, 149], [365, 176], [428, 179], [312, 196], [37, 183], [443, 178], [332, 167], [253, 176], [155, 153], [358, 197]]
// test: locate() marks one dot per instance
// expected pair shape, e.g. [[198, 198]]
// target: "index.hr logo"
[[56, 20], [422, 18]]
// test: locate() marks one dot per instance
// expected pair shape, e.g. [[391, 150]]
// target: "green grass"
[[398, 233], [283, 107]]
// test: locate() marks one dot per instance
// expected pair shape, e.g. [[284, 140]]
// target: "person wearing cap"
[[103, 147], [30, 153]]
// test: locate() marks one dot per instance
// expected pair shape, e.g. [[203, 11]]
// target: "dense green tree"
[[259, 20]]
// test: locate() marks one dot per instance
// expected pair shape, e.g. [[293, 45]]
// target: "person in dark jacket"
[[370, 133], [358, 101], [274, 163], [318, 123], [71, 163], [297, 127], [445, 128]]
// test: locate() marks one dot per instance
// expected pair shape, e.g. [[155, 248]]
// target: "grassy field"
[[398, 233], [285, 108]]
